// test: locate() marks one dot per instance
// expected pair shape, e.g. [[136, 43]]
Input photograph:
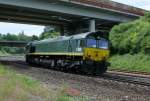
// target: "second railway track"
[[144, 81]]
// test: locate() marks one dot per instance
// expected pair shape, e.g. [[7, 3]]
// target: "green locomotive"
[[86, 52]]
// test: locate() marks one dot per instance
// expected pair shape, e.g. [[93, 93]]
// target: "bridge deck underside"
[[43, 17]]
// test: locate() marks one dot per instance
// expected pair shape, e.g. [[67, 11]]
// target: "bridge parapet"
[[111, 5]]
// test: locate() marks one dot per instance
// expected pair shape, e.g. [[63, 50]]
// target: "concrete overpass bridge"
[[72, 16]]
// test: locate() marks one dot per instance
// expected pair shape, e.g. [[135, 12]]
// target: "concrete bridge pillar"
[[92, 25]]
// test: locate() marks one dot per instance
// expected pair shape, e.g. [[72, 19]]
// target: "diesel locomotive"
[[86, 52]]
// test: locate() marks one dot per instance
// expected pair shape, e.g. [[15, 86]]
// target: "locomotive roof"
[[63, 38], [80, 36]]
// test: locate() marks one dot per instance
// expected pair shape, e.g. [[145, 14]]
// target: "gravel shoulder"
[[97, 89]]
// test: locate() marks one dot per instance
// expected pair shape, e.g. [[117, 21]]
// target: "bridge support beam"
[[92, 25]]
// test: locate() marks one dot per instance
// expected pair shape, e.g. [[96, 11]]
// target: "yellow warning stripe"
[[52, 53]]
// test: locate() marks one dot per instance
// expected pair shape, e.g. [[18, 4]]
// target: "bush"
[[46, 35], [131, 37]]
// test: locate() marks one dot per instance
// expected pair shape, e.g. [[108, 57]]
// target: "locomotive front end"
[[97, 49], [96, 53]]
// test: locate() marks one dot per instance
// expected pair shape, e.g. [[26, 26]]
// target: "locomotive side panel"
[[58, 46]]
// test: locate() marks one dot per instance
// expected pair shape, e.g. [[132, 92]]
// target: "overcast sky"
[[145, 4], [36, 30], [16, 28]]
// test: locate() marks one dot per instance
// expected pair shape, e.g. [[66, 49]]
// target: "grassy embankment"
[[17, 87], [3, 53], [127, 62]]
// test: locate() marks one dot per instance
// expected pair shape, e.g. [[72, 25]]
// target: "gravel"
[[96, 89]]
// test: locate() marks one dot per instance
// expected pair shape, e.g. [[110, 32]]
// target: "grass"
[[127, 62], [5, 53], [2, 52], [17, 87]]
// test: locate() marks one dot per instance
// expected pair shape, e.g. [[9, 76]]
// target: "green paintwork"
[[74, 43], [60, 44]]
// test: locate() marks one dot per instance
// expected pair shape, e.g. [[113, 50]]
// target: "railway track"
[[143, 80], [138, 80]]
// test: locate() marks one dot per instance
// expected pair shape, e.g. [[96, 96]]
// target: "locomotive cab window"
[[100, 43], [103, 43], [80, 45], [91, 43], [30, 48]]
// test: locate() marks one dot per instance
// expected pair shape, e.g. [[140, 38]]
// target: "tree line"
[[48, 32]]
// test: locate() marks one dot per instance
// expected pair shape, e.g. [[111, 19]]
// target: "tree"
[[9, 37], [23, 37], [34, 37], [132, 37], [50, 32], [12, 37]]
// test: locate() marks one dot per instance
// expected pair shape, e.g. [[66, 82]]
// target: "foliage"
[[19, 37], [46, 35], [128, 62], [12, 37], [34, 37], [131, 37], [5, 50], [49, 32]]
